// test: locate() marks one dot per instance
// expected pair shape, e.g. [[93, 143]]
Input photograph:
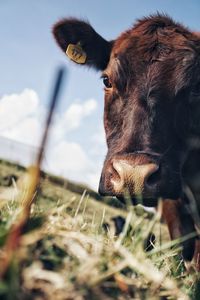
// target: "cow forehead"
[[152, 34], [154, 46]]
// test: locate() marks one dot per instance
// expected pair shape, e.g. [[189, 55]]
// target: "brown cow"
[[151, 75]]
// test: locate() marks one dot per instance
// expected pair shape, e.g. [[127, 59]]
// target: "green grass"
[[67, 251]]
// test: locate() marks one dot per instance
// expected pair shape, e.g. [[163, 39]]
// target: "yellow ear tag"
[[76, 53]]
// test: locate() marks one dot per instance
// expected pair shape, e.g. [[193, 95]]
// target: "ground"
[[70, 250]]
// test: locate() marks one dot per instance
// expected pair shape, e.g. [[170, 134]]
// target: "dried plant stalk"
[[29, 184]]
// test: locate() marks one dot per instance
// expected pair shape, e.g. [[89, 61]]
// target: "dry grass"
[[69, 250]]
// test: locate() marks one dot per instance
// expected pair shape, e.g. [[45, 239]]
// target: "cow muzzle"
[[123, 176], [134, 179]]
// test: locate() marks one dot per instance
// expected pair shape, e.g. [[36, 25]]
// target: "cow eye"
[[106, 82]]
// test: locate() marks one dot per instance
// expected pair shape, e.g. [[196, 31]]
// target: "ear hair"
[[74, 31]]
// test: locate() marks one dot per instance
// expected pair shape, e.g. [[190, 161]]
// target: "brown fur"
[[152, 108]]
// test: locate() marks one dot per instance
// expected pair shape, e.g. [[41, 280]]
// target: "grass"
[[70, 250]]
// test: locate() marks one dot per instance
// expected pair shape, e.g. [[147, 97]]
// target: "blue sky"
[[29, 54]]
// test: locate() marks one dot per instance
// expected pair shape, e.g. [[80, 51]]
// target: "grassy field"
[[70, 249]]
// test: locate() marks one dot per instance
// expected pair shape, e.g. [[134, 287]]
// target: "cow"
[[151, 74]]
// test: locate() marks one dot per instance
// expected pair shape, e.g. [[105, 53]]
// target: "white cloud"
[[15, 107], [68, 159], [76, 112], [71, 161], [22, 119], [72, 118], [99, 136], [27, 131], [98, 141]]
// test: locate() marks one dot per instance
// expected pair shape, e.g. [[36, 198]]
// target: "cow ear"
[[82, 43]]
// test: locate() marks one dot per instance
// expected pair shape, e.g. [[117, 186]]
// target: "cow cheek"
[[182, 120], [112, 115]]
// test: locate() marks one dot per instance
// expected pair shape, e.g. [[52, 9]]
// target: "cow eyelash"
[[106, 81]]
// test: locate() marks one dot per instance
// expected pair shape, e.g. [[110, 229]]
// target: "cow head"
[[151, 75]]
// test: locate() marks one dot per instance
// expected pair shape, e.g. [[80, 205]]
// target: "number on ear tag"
[[76, 53]]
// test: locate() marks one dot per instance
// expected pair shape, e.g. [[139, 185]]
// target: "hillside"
[[70, 249]]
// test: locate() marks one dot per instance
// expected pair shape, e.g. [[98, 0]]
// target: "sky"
[[28, 60]]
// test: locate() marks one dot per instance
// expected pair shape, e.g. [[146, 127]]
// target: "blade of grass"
[[33, 174]]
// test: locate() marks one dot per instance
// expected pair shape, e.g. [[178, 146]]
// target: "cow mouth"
[[160, 184], [153, 189], [149, 202], [146, 199]]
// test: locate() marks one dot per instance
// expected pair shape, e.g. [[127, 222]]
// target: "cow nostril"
[[154, 177], [114, 172]]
